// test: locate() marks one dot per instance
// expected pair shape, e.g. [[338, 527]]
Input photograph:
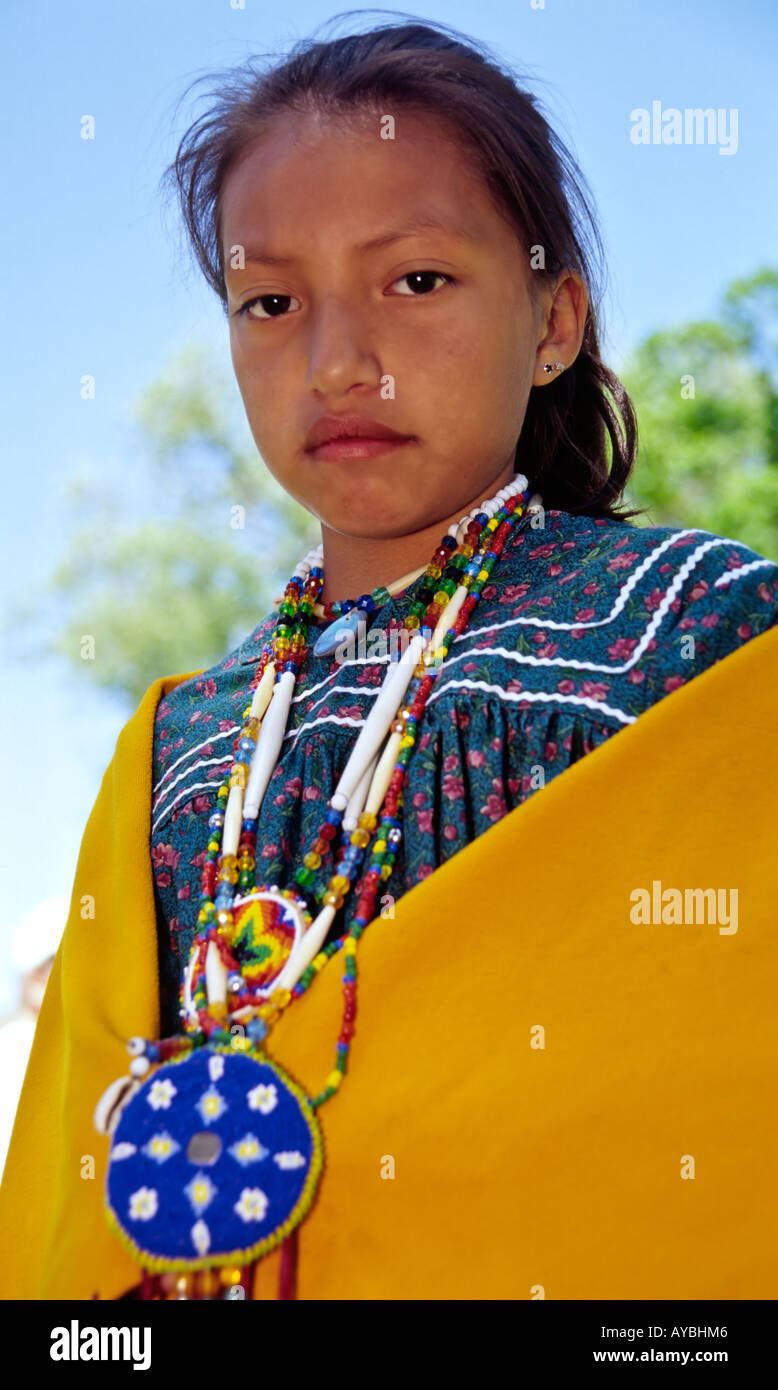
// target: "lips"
[[329, 428]]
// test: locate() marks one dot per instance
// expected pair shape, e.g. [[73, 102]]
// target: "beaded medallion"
[[214, 1160]]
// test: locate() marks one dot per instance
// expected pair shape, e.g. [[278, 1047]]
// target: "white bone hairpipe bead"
[[271, 736], [378, 721]]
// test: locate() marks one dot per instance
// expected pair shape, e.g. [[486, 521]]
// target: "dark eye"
[[422, 278], [272, 303]]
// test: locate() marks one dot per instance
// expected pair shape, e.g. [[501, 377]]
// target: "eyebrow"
[[259, 254]]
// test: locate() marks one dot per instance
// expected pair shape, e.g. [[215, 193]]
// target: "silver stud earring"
[[553, 366]]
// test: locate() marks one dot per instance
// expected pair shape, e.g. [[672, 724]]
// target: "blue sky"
[[94, 281]]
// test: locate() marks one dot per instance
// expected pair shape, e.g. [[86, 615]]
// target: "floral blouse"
[[584, 625]]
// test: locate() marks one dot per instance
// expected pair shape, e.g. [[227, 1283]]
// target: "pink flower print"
[[584, 615], [174, 925], [311, 794], [294, 786], [209, 689], [514, 786], [179, 743], [163, 879], [513, 591], [596, 690], [183, 892], [622, 648], [665, 569], [489, 591], [269, 851], [637, 676], [496, 743], [764, 593], [475, 758], [698, 590], [369, 675], [543, 601], [200, 804], [548, 649], [225, 724], [675, 605], [623, 562], [744, 632], [424, 822], [227, 665], [424, 871], [198, 685], [673, 682], [165, 854], [590, 588], [453, 787], [450, 762], [653, 600], [198, 860], [193, 718], [468, 666], [710, 620], [350, 712], [554, 569], [566, 687], [424, 740], [550, 751], [686, 623], [494, 807], [513, 685], [279, 800], [539, 636], [542, 552], [463, 720], [568, 545], [450, 832], [418, 799]]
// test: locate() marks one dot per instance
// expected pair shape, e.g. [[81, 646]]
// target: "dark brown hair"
[[569, 423]]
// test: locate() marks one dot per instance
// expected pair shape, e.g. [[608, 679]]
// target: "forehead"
[[311, 177]]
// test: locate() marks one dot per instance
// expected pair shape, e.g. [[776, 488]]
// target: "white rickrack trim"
[[213, 785], [541, 696], [730, 575]]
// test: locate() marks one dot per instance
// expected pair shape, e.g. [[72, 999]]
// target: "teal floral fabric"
[[586, 624]]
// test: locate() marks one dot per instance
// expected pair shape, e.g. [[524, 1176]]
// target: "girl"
[[545, 1036]]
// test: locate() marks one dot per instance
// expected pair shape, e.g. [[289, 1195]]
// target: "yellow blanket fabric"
[[631, 1155]]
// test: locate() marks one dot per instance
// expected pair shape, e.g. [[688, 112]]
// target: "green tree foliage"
[[172, 567], [706, 396]]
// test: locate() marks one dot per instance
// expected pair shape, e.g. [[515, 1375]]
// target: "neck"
[[355, 565]]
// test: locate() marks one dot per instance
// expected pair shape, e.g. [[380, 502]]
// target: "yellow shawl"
[[545, 1098]]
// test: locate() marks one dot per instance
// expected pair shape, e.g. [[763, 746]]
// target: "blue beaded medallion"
[[214, 1160]]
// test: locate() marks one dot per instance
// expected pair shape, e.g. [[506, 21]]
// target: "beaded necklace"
[[209, 1104]]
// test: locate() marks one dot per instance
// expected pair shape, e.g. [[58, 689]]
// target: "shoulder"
[[614, 616]]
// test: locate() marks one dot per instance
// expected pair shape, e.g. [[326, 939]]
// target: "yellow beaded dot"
[[338, 883], [311, 860], [350, 947], [386, 870], [482, 576], [407, 742], [379, 846], [280, 998], [334, 1079], [369, 819], [360, 837]]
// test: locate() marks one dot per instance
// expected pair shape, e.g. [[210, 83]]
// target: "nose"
[[342, 351]]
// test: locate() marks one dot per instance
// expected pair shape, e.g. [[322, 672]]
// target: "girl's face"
[[447, 357]]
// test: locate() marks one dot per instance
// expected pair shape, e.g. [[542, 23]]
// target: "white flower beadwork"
[[292, 1158], [161, 1094], [143, 1204], [211, 1105], [252, 1205], [161, 1147], [200, 1192], [264, 1098], [248, 1150]]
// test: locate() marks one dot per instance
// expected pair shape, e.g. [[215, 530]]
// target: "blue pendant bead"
[[339, 631]]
